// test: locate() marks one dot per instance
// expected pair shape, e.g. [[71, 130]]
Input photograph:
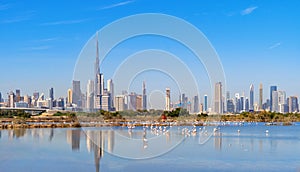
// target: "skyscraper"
[[76, 93], [218, 98], [274, 102], [11, 99], [51, 93], [132, 101], [110, 90], [260, 105], [51, 97], [0, 97], [205, 103], [90, 96], [106, 102], [99, 80], [70, 96], [247, 107], [242, 103], [139, 102], [237, 103], [293, 104], [272, 88], [196, 104], [120, 103], [99, 91], [144, 96], [282, 105], [168, 97], [18, 95], [251, 102]]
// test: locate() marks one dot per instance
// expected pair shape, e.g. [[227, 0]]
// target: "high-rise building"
[[120, 103], [274, 102], [242, 103], [293, 104], [237, 103], [70, 96], [260, 105], [99, 80], [205, 103], [132, 101], [51, 97], [126, 100], [247, 104], [218, 98], [106, 101], [60, 103], [18, 95], [230, 106], [76, 93], [1, 97], [139, 102], [99, 91], [251, 102], [272, 88], [282, 104], [168, 99], [28, 100], [11, 99], [110, 90], [36, 95], [51, 93], [144, 96], [196, 104], [90, 96]]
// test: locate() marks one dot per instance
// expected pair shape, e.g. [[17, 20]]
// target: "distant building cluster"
[[98, 97], [277, 102], [37, 100]]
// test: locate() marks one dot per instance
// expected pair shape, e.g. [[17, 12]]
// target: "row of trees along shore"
[[176, 114]]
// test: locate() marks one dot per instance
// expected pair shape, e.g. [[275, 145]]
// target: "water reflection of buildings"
[[96, 141], [218, 140], [73, 138]]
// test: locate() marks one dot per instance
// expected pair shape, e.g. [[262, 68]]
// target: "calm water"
[[251, 149]]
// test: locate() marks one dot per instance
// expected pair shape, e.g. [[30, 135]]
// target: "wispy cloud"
[[36, 48], [248, 10], [46, 39], [64, 22], [275, 45], [19, 18], [116, 5]]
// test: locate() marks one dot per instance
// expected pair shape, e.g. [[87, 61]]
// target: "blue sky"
[[257, 41]]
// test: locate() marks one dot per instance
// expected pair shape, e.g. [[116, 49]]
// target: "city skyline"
[[277, 101], [57, 41]]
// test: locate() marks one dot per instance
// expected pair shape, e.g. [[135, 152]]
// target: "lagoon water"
[[138, 149]]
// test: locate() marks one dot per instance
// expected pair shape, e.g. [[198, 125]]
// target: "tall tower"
[[144, 96], [90, 96], [218, 98], [272, 89], [18, 95], [168, 97], [205, 103], [76, 93], [274, 101], [196, 104], [99, 80], [51, 97], [260, 96], [251, 102], [70, 96]]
